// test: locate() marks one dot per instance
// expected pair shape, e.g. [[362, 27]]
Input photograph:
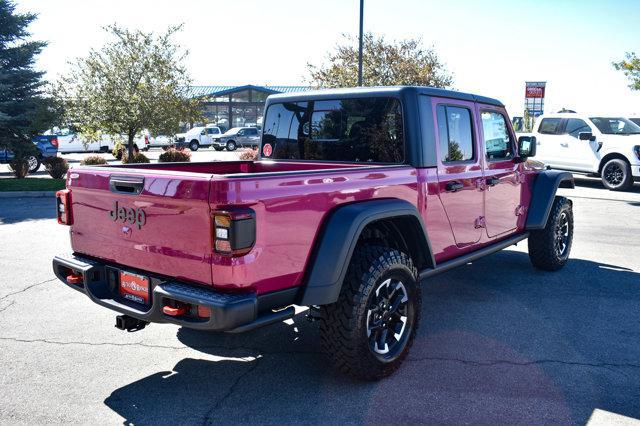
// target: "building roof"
[[201, 91]]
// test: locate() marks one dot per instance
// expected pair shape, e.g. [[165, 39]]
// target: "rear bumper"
[[228, 311]]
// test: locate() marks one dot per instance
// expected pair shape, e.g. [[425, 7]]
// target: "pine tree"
[[22, 106]]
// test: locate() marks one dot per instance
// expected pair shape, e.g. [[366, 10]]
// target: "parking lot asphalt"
[[499, 343]]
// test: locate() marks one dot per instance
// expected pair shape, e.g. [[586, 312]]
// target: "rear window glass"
[[550, 126], [354, 130]]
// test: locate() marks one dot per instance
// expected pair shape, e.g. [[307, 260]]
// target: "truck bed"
[[289, 198], [239, 168]]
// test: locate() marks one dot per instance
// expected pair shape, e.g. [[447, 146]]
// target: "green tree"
[[24, 111], [137, 81], [404, 62], [631, 68]]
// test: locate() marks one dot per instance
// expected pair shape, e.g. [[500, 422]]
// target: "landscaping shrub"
[[175, 155], [118, 149], [19, 167], [93, 160], [56, 167], [249, 154], [22, 150], [138, 157]]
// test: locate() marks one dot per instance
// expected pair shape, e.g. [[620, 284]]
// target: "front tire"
[[549, 248], [616, 175], [194, 145], [231, 146], [367, 333]]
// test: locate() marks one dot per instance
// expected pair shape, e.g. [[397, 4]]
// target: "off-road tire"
[[546, 250], [616, 175], [194, 145], [344, 324]]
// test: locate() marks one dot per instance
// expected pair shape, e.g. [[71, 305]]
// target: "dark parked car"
[[47, 147]]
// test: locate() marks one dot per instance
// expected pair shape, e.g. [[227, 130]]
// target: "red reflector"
[[223, 246], [174, 312], [54, 142], [204, 312], [75, 279]]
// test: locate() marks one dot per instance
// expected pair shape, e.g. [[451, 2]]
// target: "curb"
[[27, 194]]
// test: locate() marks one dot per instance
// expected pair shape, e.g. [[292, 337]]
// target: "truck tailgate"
[[157, 221]]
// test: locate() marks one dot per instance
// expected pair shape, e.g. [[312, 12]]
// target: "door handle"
[[564, 144], [493, 181], [453, 186]]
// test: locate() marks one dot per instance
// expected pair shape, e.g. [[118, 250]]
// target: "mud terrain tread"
[[340, 332], [541, 250]]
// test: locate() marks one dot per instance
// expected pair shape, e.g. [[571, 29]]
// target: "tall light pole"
[[360, 42]]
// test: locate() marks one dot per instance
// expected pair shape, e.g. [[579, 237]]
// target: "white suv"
[[605, 146]]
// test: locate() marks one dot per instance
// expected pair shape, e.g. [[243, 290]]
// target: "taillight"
[[234, 232], [54, 142], [63, 207]]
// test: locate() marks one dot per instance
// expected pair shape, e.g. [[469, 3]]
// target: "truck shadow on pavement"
[[499, 343], [15, 210]]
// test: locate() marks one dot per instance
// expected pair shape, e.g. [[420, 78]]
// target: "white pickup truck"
[[198, 136], [606, 146]]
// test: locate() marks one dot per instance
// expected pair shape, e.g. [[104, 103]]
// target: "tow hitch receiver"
[[125, 322]]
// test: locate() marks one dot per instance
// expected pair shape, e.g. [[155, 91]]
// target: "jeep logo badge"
[[133, 216]]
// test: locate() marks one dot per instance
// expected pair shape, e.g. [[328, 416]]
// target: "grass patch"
[[31, 184]]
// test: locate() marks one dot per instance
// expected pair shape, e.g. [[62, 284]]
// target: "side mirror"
[[586, 136], [526, 147], [203, 132]]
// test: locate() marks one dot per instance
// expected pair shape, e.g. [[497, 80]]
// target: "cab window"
[[353, 130], [550, 126], [497, 139], [456, 136], [575, 126]]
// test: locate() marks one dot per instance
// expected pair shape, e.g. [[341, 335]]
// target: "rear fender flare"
[[338, 238], [544, 192]]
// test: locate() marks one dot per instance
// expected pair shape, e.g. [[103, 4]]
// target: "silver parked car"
[[238, 137]]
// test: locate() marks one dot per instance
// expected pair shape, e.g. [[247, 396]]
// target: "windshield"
[[615, 126]]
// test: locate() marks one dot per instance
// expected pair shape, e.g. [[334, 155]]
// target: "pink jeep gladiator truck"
[[360, 196]]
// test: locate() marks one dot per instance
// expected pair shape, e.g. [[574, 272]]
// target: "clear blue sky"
[[490, 47]]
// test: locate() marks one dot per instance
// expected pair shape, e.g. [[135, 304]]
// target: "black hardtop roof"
[[398, 91]]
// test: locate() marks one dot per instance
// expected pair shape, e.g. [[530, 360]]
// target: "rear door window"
[[456, 134], [550, 126], [351, 130]]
